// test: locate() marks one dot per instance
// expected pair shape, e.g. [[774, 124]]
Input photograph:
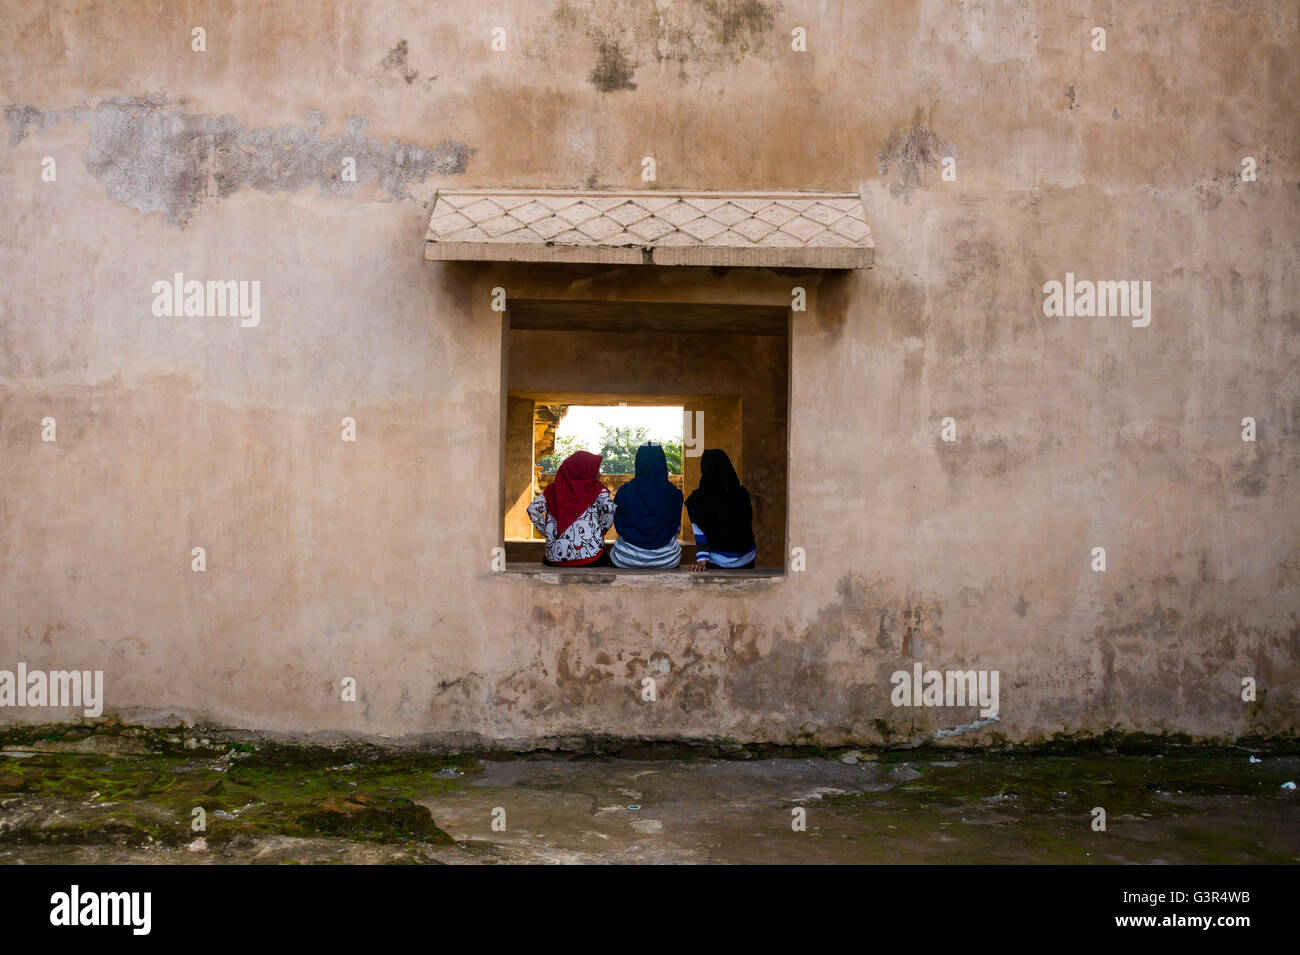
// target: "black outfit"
[[720, 506]]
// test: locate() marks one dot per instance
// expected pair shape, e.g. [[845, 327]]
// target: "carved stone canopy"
[[776, 229]]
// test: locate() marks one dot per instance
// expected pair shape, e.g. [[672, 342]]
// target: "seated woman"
[[721, 516], [573, 514], [649, 515]]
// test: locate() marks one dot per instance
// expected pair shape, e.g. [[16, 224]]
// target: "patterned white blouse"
[[584, 538]]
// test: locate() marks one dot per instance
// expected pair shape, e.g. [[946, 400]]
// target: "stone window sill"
[[618, 575]]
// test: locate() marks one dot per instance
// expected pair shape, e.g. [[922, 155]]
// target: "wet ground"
[[78, 801]]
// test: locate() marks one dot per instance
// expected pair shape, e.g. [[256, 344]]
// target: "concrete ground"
[[74, 802]]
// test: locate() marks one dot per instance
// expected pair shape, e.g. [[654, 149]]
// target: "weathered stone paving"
[[96, 800]]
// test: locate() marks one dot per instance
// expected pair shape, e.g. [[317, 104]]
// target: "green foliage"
[[673, 452], [563, 448], [618, 448]]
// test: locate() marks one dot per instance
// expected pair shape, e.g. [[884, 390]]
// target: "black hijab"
[[648, 510], [720, 506]]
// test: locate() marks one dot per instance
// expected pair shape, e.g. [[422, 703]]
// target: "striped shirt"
[[623, 554], [716, 557]]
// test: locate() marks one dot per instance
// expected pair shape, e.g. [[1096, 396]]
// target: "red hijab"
[[575, 488]]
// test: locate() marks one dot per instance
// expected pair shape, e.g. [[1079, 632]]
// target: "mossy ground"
[[139, 799], [118, 794]]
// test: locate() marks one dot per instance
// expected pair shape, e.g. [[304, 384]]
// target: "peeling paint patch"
[[155, 157], [911, 153], [966, 728]]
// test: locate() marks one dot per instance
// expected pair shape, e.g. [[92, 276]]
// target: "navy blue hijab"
[[649, 509]]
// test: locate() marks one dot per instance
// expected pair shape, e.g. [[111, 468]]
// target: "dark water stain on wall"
[[1143, 623], [702, 34], [1250, 478], [831, 676], [155, 157], [836, 670], [395, 59], [613, 71], [740, 23], [987, 457], [911, 153]]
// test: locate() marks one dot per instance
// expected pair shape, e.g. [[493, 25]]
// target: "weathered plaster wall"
[[372, 559]]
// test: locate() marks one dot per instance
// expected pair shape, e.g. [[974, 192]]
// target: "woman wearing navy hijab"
[[648, 515]]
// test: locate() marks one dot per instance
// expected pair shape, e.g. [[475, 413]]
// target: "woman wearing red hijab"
[[573, 513]]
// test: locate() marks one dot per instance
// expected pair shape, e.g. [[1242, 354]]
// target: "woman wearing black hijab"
[[721, 516], [648, 515]]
